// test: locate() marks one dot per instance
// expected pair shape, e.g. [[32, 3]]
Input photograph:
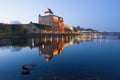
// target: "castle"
[[52, 20]]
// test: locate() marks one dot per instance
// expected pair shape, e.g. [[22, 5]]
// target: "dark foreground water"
[[60, 58]]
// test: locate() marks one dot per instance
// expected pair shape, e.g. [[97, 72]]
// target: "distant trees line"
[[78, 28], [13, 28]]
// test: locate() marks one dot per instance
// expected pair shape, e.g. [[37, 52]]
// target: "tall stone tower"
[[52, 20]]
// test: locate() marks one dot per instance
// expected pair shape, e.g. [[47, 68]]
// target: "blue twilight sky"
[[102, 15]]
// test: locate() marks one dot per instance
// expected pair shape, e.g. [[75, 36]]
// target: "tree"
[[15, 22]]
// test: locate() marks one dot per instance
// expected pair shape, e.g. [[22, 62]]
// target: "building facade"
[[54, 21]]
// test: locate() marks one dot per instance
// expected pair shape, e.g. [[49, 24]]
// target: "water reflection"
[[48, 45], [91, 60]]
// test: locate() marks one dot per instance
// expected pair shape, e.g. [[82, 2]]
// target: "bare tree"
[[15, 22]]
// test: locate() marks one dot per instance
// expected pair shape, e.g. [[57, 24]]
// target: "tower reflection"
[[52, 47]]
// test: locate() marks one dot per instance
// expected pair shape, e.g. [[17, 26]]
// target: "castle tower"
[[54, 21], [48, 12]]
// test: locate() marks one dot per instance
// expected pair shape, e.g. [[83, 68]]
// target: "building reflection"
[[49, 46]]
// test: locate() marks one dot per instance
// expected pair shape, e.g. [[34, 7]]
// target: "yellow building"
[[56, 22]]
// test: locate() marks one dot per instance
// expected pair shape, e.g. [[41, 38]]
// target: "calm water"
[[60, 58]]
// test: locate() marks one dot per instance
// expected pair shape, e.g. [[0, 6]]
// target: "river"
[[60, 58]]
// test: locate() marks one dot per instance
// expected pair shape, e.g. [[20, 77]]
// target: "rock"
[[28, 66], [25, 72]]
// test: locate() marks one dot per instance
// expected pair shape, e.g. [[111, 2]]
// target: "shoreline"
[[85, 34]]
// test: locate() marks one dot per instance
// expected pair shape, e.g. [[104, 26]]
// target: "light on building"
[[50, 39], [33, 44], [43, 46]]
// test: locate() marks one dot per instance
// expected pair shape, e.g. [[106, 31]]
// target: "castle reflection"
[[51, 47], [48, 45]]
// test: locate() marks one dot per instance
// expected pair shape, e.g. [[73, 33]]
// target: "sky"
[[102, 15]]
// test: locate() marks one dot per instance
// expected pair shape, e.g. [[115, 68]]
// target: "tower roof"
[[48, 11]]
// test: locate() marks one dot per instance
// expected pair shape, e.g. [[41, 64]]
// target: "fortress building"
[[52, 20]]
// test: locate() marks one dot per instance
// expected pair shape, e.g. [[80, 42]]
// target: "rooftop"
[[48, 11]]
